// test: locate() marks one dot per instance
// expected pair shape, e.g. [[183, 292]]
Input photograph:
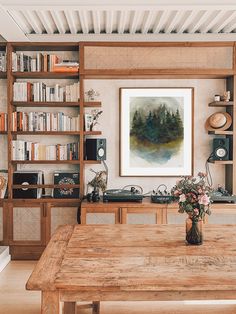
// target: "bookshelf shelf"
[[50, 200], [221, 104], [92, 104], [45, 104], [222, 162], [221, 132], [46, 75], [92, 132], [92, 161], [46, 132], [3, 132], [46, 186], [72, 162]]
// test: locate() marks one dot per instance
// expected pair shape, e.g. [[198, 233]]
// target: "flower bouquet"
[[193, 198]]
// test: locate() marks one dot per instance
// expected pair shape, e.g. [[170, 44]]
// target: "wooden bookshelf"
[[46, 204]]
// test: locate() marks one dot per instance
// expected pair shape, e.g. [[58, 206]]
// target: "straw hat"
[[218, 121]]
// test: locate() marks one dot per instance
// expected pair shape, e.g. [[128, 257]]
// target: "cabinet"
[[123, 212]]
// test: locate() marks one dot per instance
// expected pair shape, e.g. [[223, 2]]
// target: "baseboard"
[[5, 257]]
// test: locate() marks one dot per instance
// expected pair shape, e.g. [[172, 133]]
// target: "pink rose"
[[204, 199], [196, 211], [182, 198]]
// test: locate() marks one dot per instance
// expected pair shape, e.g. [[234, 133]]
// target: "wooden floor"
[[14, 299]]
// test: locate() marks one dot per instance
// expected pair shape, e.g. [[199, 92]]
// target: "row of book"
[[3, 122], [24, 150], [39, 91], [42, 62], [44, 121], [3, 62]]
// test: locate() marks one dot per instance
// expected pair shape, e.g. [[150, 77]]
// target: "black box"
[[66, 178], [24, 179], [95, 149]]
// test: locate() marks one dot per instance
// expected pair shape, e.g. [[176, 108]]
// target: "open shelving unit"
[[101, 70]]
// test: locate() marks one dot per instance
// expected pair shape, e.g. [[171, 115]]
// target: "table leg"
[[70, 308], [50, 302], [96, 307]]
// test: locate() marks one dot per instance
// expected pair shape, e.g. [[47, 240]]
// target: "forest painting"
[[156, 131]]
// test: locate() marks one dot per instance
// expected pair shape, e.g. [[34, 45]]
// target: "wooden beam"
[[10, 30]]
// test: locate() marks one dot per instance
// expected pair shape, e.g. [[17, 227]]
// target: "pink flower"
[[182, 198], [204, 199], [196, 211], [176, 192]]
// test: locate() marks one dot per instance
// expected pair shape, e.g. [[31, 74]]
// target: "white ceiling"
[[30, 20]]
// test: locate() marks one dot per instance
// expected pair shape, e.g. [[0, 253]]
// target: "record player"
[[123, 195]]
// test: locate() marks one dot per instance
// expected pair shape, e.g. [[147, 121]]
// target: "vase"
[[194, 233]]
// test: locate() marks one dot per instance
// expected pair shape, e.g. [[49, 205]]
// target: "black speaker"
[[220, 149], [95, 148]]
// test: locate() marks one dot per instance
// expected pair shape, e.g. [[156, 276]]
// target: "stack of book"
[[24, 150], [3, 62], [39, 91], [3, 122], [42, 62], [44, 121]]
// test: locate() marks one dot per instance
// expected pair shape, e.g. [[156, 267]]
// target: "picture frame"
[[156, 131]]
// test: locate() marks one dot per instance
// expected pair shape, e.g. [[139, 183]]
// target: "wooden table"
[[134, 262]]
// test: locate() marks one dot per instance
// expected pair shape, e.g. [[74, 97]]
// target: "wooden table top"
[[147, 258]]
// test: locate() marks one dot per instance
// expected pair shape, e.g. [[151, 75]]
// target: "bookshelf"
[[26, 248]]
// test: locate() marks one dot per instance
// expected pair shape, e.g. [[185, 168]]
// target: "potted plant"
[[194, 199]]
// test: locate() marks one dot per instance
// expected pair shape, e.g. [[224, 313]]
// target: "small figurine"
[[92, 94]]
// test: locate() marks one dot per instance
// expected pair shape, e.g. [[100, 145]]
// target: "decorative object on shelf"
[[92, 95], [99, 182], [69, 177], [95, 116], [218, 121], [26, 178], [217, 98], [157, 140], [3, 183], [226, 96], [194, 199]]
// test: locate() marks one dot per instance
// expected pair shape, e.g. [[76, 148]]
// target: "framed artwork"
[[156, 131]]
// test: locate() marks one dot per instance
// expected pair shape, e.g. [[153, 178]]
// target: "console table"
[[134, 262]]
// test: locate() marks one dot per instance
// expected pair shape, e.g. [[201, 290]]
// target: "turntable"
[[123, 195]]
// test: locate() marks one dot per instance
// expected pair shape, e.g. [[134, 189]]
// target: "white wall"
[[204, 91]]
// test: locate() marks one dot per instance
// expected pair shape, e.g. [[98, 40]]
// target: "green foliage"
[[160, 125]]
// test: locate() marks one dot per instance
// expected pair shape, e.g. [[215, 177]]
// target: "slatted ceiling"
[[87, 20]]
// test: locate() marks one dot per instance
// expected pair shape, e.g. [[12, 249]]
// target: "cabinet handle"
[[120, 215], [44, 211]]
